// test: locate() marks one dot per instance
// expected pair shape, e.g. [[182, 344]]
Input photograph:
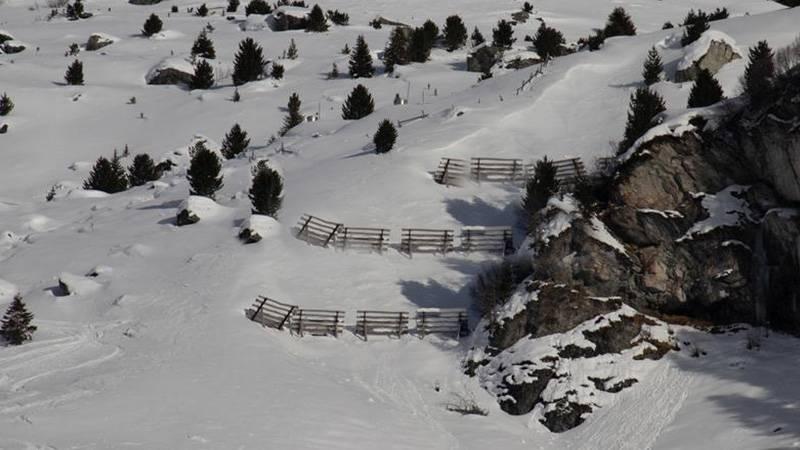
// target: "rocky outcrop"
[[171, 71], [713, 50], [97, 41], [483, 58], [12, 46]]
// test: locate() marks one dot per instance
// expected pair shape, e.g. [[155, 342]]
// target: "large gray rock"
[[719, 52], [97, 41], [12, 46], [483, 58]]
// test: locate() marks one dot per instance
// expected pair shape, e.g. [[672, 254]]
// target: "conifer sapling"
[[619, 24], [455, 33], [503, 35], [107, 176], [706, 90], [361, 60], [235, 142], [152, 25], [203, 46], [645, 105], [233, 5], [6, 105], [266, 190], [317, 21], [652, 67], [477, 38], [539, 188], [143, 170], [74, 75], [203, 77], [277, 71], [291, 52], [358, 104], [248, 64], [385, 137], [16, 325], [758, 76], [548, 42], [396, 52], [294, 118], [204, 171]]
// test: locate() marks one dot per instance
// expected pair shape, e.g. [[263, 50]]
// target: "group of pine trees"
[[109, 176], [414, 45]]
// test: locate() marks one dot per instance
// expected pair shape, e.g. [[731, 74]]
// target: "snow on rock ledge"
[[713, 50], [195, 208], [99, 40], [258, 227], [171, 71]]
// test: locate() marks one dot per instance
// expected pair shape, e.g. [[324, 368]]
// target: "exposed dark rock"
[[565, 415], [483, 58], [98, 41], [186, 217], [248, 236], [526, 395], [602, 384]]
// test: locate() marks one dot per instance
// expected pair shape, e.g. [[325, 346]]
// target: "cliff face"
[[704, 225]]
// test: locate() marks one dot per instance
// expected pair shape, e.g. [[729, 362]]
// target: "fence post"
[[421, 326], [399, 325], [260, 307], [364, 324], [289, 314], [300, 323], [304, 226], [336, 325]]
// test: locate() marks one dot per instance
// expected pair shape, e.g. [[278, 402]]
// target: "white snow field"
[[155, 351]]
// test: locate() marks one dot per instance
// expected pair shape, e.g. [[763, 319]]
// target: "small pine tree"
[[476, 37], [695, 25], [706, 90], [233, 5], [203, 77], [248, 64], [202, 11], [152, 25], [548, 42], [455, 33], [203, 46], [334, 73], [539, 189], [619, 23], [291, 52], [16, 325], [277, 71], [266, 190], [419, 49], [236, 96], [316, 20], [758, 76], [652, 67], [107, 176], [503, 35], [204, 171], [235, 142], [431, 33], [6, 105], [361, 60], [294, 118], [358, 104], [257, 7], [385, 137], [142, 170], [645, 105], [396, 52], [74, 75]]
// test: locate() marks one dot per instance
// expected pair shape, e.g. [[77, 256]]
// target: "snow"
[[261, 225], [292, 11], [565, 211], [599, 232], [160, 356], [7, 291], [78, 285], [726, 208], [697, 49], [202, 207]]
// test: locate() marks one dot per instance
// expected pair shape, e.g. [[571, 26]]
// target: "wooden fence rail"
[[423, 240], [452, 322], [497, 169], [318, 322], [568, 171], [271, 313], [487, 239], [451, 172], [317, 231], [381, 323], [364, 238]]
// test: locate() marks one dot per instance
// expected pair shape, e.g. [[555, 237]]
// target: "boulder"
[[289, 18], [5, 36], [483, 58], [257, 227], [70, 284], [713, 50], [98, 40], [171, 71], [195, 208], [13, 46]]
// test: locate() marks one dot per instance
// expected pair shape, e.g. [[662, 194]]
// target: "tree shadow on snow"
[[479, 212], [433, 294]]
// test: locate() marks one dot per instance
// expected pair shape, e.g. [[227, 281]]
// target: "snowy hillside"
[[151, 347]]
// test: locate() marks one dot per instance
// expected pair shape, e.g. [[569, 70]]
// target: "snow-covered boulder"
[[257, 227], [99, 40], [3, 128], [196, 208], [713, 50], [71, 284], [13, 46], [5, 36], [171, 71], [483, 57], [288, 18]]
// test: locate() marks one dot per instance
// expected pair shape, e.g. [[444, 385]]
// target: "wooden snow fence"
[[487, 239], [497, 169], [363, 238], [423, 240], [451, 172], [568, 171], [451, 322], [422, 115], [318, 322], [317, 231], [381, 323], [271, 313]]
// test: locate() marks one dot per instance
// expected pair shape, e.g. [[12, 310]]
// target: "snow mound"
[[699, 48], [258, 227], [197, 208], [71, 284], [179, 65], [40, 223], [167, 35], [86, 193]]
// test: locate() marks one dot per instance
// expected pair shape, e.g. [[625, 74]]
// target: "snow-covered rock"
[[71, 284], [711, 51], [13, 46], [99, 40], [171, 71], [257, 227], [196, 208]]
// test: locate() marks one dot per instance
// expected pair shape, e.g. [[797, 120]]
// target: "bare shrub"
[[788, 57], [465, 404]]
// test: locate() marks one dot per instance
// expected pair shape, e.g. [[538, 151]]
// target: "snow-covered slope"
[[157, 353]]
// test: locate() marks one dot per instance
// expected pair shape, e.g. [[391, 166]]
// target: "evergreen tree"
[[548, 42], [396, 53], [248, 64], [236, 96], [291, 52], [233, 5], [477, 38], [277, 71], [203, 46], [706, 90], [203, 174], [257, 7], [652, 67], [361, 60], [539, 189], [107, 176], [695, 25], [358, 104], [152, 25], [503, 35], [235, 142], [455, 33], [419, 46], [266, 190], [385, 137], [16, 325], [6, 105], [431, 33], [143, 170], [294, 118], [316, 20], [202, 11], [758, 76], [203, 77], [644, 107], [619, 23], [334, 73], [74, 75]]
